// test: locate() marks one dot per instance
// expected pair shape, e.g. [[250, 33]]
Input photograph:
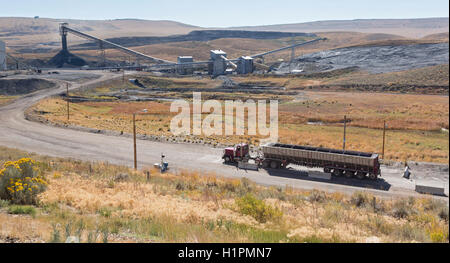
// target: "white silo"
[[2, 55]]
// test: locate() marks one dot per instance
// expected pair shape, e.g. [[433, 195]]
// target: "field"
[[417, 125], [99, 202], [6, 99]]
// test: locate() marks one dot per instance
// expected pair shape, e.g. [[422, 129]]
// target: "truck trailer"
[[337, 162]]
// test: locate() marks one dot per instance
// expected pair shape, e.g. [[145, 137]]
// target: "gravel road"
[[17, 132]]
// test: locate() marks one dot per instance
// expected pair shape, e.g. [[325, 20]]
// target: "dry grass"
[[428, 76], [414, 122], [369, 110], [6, 99], [192, 207]]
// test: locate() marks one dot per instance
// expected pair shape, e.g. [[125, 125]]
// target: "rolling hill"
[[411, 28]]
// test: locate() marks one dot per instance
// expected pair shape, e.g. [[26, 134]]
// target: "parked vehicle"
[[236, 154], [337, 162]]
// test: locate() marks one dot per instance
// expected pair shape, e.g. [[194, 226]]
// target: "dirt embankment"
[[13, 87]]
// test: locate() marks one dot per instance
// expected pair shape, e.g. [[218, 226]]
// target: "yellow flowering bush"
[[20, 182]]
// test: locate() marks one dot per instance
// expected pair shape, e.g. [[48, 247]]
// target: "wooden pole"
[[134, 141], [67, 95], [345, 129], [384, 139]]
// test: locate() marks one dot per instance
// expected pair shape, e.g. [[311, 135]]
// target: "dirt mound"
[[65, 58], [23, 86]]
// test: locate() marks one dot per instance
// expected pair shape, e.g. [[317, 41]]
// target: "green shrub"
[[443, 214], [22, 210], [317, 196], [4, 203], [409, 232], [379, 226], [56, 234], [258, 209], [439, 237], [105, 212], [402, 209], [20, 182], [360, 199]]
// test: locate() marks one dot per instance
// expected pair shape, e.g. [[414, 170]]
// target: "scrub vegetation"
[[417, 124], [88, 201]]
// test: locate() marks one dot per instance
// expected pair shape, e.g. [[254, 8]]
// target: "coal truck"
[[337, 162]]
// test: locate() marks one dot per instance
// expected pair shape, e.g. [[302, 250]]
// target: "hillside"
[[238, 47], [20, 32], [412, 28], [439, 36], [27, 31]]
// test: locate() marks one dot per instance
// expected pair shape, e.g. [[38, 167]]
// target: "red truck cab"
[[233, 155]]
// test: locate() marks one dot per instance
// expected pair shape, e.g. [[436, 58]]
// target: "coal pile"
[[65, 58], [373, 59], [12, 87]]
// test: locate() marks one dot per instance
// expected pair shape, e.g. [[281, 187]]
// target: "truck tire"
[[361, 175], [274, 165], [265, 164], [227, 159], [349, 174], [373, 177], [337, 172], [327, 170]]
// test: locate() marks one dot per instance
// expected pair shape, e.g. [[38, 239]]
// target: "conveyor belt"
[[116, 46]]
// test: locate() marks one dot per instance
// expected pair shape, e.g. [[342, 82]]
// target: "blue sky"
[[214, 13]]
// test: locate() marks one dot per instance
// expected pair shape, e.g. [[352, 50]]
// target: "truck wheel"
[[274, 165], [361, 175], [265, 164], [327, 170], [349, 174], [227, 159], [373, 177], [337, 172]]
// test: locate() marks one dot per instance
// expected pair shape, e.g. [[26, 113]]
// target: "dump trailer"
[[337, 162]]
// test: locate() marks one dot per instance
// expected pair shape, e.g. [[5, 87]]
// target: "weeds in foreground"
[[330, 216], [4, 203], [21, 182], [22, 210], [258, 209]]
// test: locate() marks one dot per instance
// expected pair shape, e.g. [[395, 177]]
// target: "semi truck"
[[337, 162]]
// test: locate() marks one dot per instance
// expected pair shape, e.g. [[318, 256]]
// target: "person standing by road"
[[407, 173]]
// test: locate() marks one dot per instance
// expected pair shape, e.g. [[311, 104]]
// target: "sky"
[[226, 13]]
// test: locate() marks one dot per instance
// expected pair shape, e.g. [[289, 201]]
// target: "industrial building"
[[185, 69], [245, 65], [218, 64], [2, 56]]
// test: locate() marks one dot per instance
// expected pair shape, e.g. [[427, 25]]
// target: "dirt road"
[[17, 132]]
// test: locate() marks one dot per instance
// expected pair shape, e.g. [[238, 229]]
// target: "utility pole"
[[384, 138], [123, 76], [345, 130], [67, 98], [134, 141]]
